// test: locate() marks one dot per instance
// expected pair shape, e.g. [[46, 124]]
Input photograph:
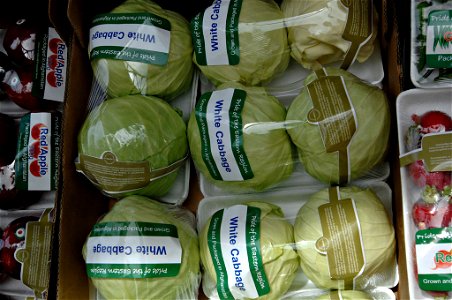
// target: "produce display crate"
[[79, 204]]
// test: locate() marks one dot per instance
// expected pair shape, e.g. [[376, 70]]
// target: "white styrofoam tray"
[[291, 200], [415, 101]]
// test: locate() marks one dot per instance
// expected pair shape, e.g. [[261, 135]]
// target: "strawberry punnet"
[[421, 177]]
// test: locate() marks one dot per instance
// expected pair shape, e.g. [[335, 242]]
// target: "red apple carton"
[[25, 250], [38, 152]]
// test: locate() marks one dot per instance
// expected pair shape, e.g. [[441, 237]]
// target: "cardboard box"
[[81, 204]]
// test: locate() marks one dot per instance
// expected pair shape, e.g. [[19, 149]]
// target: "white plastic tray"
[[290, 201], [415, 101]]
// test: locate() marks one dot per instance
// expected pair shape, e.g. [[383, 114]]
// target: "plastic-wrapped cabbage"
[[369, 242], [345, 295], [133, 145], [369, 112], [248, 45], [150, 54], [316, 28], [238, 139], [143, 249], [258, 239]]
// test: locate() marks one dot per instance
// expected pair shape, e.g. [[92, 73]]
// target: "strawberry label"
[[434, 259], [37, 159], [435, 151], [49, 80]]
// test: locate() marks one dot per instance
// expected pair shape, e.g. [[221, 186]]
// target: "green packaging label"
[[434, 259], [333, 112], [215, 33], [234, 245], [140, 37], [435, 151], [35, 256], [439, 39], [341, 241], [219, 118], [133, 250], [358, 29], [38, 152]]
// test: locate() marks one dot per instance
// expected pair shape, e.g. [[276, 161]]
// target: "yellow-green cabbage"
[[278, 256], [315, 29], [369, 143], [265, 141], [183, 286], [377, 235], [137, 128], [263, 47], [122, 77]]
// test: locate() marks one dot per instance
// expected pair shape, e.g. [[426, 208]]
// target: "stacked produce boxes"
[[33, 62]]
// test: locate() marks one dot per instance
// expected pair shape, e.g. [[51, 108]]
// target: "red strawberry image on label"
[[35, 169], [53, 44], [51, 79], [52, 61], [34, 149], [36, 130], [442, 259]]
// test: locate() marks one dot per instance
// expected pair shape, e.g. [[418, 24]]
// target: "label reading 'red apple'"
[[49, 80], [37, 159]]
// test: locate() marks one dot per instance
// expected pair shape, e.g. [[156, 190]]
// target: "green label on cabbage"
[[341, 241], [133, 250], [439, 39], [434, 259], [333, 112], [140, 37], [234, 245], [219, 118], [358, 29], [215, 33]]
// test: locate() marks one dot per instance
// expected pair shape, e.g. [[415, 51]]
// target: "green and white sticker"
[[234, 245], [215, 33], [140, 37], [38, 155], [133, 250], [219, 118], [434, 259], [439, 39]]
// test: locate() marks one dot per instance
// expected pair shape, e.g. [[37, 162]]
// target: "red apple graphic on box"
[[36, 130], [54, 43]]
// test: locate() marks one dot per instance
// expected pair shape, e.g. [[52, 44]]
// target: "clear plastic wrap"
[[431, 47], [140, 48], [243, 41], [143, 249], [254, 153], [133, 145], [326, 31], [425, 144], [279, 211]]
